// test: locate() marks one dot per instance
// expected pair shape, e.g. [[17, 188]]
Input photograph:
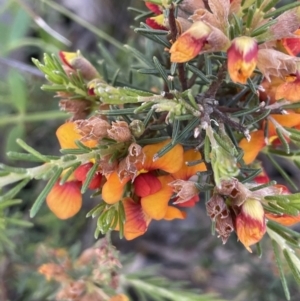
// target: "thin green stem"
[[32, 117]]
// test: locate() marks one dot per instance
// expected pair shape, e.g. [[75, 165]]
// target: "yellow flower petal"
[[173, 212], [67, 135], [253, 147], [137, 221], [185, 172], [170, 162], [68, 57], [113, 189], [119, 297], [65, 200], [289, 120], [250, 223], [156, 205], [289, 91], [190, 43]]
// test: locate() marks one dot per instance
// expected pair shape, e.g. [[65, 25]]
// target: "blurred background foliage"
[[182, 251]]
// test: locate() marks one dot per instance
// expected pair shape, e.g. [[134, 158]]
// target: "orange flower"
[[119, 297], [157, 22], [151, 193], [190, 43], [53, 271], [187, 172], [113, 189], [290, 88], [67, 134], [257, 143], [290, 46], [66, 200], [242, 58], [137, 220], [75, 61], [270, 89], [279, 88], [156, 9], [250, 223], [284, 219], [140, 212]]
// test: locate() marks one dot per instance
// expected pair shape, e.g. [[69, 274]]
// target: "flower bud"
[[137, 128], [76, 61], [250, 223], [242, 58], [190, 43]]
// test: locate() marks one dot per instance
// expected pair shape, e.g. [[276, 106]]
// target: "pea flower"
[[199, 37], [75, 61], [158, 21], [66, 200], [153, 205], [187, 195], [242, 58], [258, 142], [250, 223]]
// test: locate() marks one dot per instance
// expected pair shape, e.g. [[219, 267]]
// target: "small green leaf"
[[280, 268]]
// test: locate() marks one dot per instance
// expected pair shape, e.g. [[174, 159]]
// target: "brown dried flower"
[[224, 227], [185, 190], [129, 166], [79, 108], [107, 166], [236, 191], [94, 128], [218, 211], [53, 271], [275, 63], [119, 131], [216, 206], [73, 291]]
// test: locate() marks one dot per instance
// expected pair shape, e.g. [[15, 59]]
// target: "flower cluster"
[[144, 186], [272, 51], [95, 270], [229, 89]]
